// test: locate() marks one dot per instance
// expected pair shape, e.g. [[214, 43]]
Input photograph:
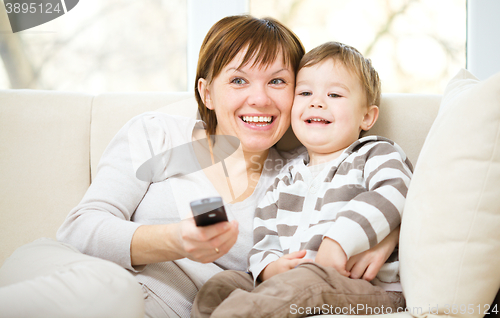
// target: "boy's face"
[[329, 110]]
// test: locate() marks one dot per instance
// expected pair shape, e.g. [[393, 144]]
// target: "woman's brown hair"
[[263, 38]]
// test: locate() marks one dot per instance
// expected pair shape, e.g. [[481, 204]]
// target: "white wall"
[[483, 37], [202, 14]]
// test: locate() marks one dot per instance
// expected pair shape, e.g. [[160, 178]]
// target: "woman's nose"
[[259, 96]]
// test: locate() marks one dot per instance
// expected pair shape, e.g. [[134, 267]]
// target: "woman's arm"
[[101, 225]]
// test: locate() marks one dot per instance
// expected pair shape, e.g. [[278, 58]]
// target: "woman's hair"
[[263, 38], [353, 60]]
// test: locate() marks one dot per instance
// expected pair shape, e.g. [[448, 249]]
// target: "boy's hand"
[[331, 254], [366, 265], [283, 264]]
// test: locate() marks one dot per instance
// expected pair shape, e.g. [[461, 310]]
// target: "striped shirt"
[[356, 200]]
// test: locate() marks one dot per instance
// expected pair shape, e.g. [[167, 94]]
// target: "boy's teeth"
[[318, 120], [257, 119]]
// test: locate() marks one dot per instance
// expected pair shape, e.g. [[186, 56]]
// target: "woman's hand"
[[169, 242], [331, 254], [366, 265], [205, 244], [283, 264]]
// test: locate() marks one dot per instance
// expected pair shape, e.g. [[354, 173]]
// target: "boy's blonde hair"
[[353, 60]]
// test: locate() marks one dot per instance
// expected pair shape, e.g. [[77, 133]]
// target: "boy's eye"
[[277, 81], [305, 93], [238, 81], [334, 95]]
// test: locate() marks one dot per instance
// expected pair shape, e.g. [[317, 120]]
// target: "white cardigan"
[[117, 203]]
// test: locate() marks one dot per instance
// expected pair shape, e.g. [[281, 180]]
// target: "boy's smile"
[[329, 109], [318, 120]]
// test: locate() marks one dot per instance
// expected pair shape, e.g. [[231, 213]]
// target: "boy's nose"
[[316, 105], [318, 102]]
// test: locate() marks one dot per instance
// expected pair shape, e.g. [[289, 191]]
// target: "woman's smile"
[[258, 120]]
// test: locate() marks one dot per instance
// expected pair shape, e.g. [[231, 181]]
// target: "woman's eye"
[[277, 81], [238, 81]]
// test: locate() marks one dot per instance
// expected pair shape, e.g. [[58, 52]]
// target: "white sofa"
[[51, 142]]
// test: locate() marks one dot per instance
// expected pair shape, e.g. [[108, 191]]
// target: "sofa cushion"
[[44, 162], [450, 238], [406, 119]]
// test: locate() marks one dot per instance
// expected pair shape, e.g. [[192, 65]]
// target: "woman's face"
[[252, 103]]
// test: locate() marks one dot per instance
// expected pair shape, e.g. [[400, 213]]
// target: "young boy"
[[340, 199]]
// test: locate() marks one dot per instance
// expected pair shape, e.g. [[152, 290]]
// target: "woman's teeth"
[[258, 120]]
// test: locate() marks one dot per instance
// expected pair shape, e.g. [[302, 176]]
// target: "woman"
[[244, 88], [246, 69]]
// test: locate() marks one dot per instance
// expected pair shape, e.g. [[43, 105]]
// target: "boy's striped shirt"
[[356, 200]]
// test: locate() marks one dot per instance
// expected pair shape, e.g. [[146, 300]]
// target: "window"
[[127, 45], [100, 46], [416, 46]]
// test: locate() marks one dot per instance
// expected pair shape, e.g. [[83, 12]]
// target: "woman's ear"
[[370, 118], [205, 93]]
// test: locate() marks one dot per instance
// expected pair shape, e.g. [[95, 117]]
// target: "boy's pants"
[[305, 290]]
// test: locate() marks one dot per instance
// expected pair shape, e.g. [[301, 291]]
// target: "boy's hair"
[[353, 60]]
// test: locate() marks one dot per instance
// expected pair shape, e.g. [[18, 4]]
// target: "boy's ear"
[[205, 93], [370, 118]]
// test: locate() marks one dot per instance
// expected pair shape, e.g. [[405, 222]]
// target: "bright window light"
[[416, 46]]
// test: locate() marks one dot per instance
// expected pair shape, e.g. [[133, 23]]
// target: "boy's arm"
[[283, 264], [371, 215], [266, 258], [365, 265], [267, 247]]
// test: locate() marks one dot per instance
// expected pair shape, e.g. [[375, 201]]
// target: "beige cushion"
[[450, 233], [44, 162], [111, 111], [406, 119]]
